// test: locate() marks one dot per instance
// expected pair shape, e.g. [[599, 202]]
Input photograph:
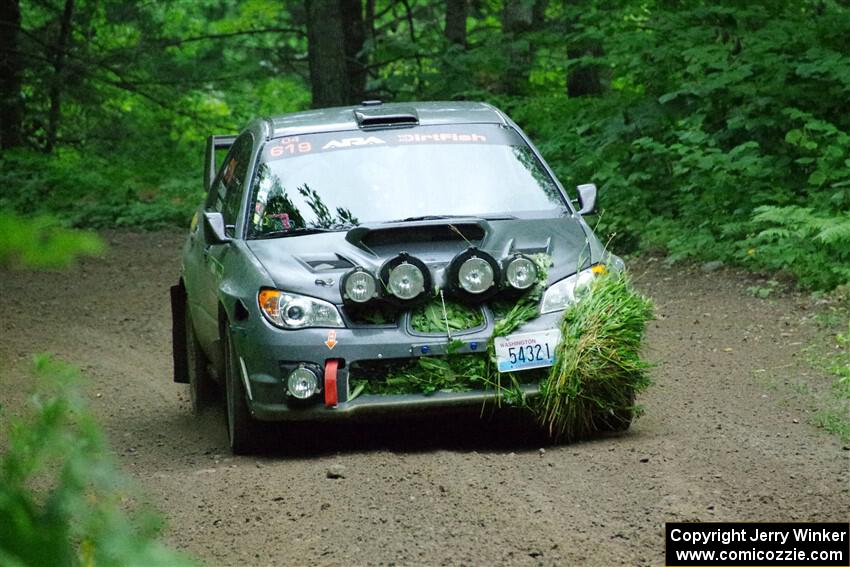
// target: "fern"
[[813, 245], [835, 231]]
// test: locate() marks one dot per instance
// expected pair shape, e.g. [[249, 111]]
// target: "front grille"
[[429, 374]]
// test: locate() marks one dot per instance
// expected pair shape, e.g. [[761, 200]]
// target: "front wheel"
[[241, 427]]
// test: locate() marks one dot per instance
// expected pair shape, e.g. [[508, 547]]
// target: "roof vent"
[[381, 117]]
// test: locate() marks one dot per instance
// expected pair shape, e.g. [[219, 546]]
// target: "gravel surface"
[[725, 436]]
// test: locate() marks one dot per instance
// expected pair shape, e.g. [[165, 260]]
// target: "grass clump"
[[437, 316], [426, 375], [598, 368]]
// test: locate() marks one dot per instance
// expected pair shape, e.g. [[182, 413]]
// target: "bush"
[[62, 502], [84, 189], [723, 135], [41, 243]]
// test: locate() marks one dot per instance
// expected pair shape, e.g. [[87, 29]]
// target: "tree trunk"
[[329, 80], [584, 79], [538, 14], [11, 101], [355, 60], [370, 18], [455, 30], [60, 51], [517, 19]]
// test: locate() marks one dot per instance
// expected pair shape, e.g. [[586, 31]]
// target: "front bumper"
[[373, 406], [266, 353]]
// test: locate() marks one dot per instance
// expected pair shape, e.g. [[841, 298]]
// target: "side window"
[[226, 194]]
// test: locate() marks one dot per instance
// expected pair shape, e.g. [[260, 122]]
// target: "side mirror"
[[587, 198], [214, 232]]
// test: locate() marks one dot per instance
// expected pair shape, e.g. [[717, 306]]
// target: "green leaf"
[[794, 136], [817, 178]]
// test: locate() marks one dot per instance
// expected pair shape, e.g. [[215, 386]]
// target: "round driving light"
[[406, 281], [521, 272], [404, 278], [302, 383], [294, 312], [475, 275], [360, 286]]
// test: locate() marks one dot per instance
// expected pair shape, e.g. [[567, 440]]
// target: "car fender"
[[238, 289]]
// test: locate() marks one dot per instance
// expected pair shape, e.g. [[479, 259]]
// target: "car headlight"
[[293, 311], [564, 293]]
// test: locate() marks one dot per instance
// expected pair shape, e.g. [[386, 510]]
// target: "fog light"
[[360, 286], [476, 275], [406, 281], [521, 272], [303, 383]]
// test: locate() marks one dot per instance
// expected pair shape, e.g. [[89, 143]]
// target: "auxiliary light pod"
[[358, 286], [405, 278], [474, 275]]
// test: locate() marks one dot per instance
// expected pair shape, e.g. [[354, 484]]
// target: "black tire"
[[241, 427], [201, 386]]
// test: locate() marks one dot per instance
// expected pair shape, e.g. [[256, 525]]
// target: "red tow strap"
[[331, 367]]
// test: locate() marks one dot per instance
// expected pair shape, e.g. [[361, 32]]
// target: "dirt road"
[[725, 436]]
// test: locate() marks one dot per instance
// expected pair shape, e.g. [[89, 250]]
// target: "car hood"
[[314, 264]]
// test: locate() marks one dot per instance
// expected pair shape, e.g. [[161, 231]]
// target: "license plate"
[[525, 351]]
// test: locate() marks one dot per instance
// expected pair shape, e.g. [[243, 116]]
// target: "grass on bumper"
[[598, 368]]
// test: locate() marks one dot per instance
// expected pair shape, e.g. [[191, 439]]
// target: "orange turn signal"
[[270, 302]]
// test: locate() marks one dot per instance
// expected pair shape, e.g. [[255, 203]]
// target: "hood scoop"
[[531, 249], [374, 116], [439, 234], [526, 245], [324, 262]]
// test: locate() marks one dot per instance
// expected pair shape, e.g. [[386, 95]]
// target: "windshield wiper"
[[447, 217], [300, 231]]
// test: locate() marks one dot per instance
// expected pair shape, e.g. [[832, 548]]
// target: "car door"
[[204, 276]]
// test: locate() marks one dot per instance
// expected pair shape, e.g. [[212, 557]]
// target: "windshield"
[[341, 179]]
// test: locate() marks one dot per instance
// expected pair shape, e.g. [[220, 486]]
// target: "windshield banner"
[[291, 146]]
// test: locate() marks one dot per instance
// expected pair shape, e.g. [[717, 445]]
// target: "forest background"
[[716, 131]]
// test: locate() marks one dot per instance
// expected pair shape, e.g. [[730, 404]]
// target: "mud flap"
[[178, 334]]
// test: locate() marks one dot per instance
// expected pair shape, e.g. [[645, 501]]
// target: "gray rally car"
[[317, 220]]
